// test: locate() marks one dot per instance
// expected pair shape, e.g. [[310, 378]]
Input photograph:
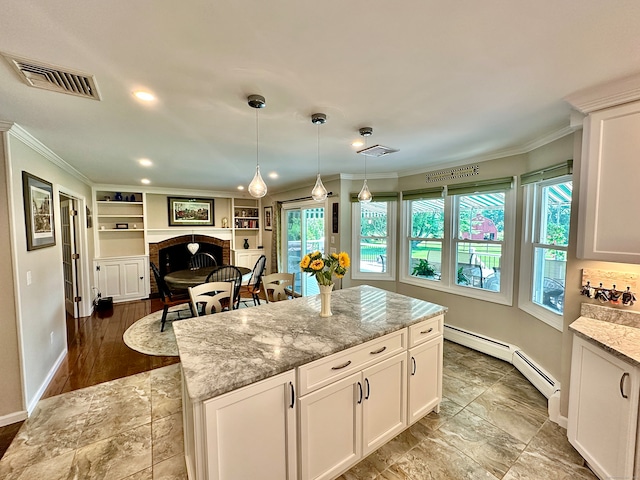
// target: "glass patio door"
[[304, 230]]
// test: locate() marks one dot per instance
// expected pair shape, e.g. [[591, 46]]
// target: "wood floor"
[[97, 354]]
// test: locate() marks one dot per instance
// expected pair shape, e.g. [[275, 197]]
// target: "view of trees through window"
[[427, 234], [550, 245], [373, 237]]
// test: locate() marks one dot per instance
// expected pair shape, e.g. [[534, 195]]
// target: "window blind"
[[564, 168], [482, 186], [378, 197], [423, 193]]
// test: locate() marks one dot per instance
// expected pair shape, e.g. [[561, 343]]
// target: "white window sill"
[[554, 320], [381, 277], [471, 292]]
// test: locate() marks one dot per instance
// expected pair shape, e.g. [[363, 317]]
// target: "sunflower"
[[317, 265], [306, 260], [344, 260]]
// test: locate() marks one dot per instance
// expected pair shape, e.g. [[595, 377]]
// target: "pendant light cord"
[[257, 139], [318, 149]]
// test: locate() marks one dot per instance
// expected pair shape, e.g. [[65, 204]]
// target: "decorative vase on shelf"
[[118, 197], [325, 300], [246, 243], [132, 198]]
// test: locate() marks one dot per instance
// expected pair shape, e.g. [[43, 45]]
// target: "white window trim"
[[390, 274], [447, 282], [531, 220]]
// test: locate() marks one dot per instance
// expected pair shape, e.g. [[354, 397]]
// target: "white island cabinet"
[[277, 392], [609, 185], [603, 409]]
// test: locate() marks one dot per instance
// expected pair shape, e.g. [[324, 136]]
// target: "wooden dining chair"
[[252, 288], [210, 297], [202, 259], [169, 298], [228, 273], [276, 285]]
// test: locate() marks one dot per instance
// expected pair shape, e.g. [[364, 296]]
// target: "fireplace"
[[172, 254]]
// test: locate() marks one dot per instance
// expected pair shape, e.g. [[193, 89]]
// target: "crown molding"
[[605, 95], [507, 152], [181, 192], [30, 141], [370, 176]]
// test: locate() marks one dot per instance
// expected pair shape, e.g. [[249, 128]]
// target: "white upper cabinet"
[[610, 185]]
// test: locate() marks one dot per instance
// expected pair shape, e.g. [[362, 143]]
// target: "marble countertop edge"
[[622, 341]]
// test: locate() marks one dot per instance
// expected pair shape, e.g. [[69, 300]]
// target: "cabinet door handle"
[[360, 389], [622, 378], [426, 331], [415, 366], [378, 351], [366, 397], [340, 367], [293, 395]]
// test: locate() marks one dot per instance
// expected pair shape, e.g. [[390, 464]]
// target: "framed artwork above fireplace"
[[190, 211]]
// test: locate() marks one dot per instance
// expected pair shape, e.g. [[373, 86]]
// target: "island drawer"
[[424, 331], [339, 365]]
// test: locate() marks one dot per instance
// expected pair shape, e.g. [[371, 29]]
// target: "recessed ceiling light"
[[144, 96], [146, 181], [357, 143], [240, 187], [145, 162], [273, 175]]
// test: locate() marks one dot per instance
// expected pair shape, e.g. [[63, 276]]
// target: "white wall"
[[40, 306]]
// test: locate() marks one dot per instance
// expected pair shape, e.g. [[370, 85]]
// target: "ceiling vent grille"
[[53, 78], [377, 151]]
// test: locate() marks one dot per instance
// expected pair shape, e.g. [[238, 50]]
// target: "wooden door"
[[425, 378]]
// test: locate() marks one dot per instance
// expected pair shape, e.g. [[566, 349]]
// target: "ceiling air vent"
[[56, 79], [377, 151]]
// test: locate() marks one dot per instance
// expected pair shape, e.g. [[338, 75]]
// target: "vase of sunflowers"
[[324, 268]]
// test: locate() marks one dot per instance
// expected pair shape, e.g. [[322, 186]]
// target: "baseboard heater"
[[538, 377]]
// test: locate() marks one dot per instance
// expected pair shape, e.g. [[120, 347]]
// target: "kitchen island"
[[278, 392]]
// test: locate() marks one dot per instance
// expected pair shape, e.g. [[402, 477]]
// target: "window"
[[479, 240], [544, 251], [462, 243], [426, 238], [373, 251]]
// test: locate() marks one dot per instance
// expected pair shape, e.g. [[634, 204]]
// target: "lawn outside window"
[[373, 242]]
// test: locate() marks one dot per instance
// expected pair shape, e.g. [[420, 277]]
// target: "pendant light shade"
[[319, 192], [365, 195], [257, 187]]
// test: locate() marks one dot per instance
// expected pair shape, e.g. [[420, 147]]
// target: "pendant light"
[[319, 193], [257, 187], [365, 195]]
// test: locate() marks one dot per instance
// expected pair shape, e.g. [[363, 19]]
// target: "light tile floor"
[[492, 425]]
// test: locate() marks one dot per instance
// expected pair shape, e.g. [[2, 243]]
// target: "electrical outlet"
[[29, 278]]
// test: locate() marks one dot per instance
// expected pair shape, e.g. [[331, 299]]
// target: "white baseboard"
[[38, 395], [554, 411], [13, 418], [513, 354]]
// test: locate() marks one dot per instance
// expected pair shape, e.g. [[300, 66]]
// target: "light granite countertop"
[[613, 330], [225, 351]]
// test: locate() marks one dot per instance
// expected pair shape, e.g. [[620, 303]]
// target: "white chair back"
[[211, 295], [276, 286]]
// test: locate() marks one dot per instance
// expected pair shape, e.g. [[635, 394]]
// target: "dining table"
[[183, 279]]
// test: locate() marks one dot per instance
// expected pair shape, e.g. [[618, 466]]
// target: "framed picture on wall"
[[268, 218], [38, 211], [334, 218], [190, 211]]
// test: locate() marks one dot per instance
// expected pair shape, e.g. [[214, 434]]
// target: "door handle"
[[366, 397], [415, 366], [426, 331], [293, 395], [375, 352], [622, 379], [360, 389]]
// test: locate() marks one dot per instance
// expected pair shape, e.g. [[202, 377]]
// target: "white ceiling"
[[440, 80]]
